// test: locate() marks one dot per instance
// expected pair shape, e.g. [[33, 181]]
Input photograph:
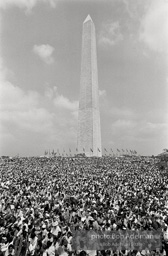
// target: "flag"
[[91, 150]]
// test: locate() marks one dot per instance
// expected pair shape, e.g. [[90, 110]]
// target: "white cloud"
[[135, 8], [31, 122], [110, 34], [20, 109], [139, 129], [154, 26], [50, 92], [128, 9], [65, 103], [59, 100], [149, 129], [45, 52], [25, 4]]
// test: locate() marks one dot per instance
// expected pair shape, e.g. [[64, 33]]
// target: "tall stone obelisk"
[[89, 132]]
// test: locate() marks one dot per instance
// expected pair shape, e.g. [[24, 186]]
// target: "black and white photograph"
[[84, 127]]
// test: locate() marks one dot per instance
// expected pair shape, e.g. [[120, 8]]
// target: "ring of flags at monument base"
[[64, 153]]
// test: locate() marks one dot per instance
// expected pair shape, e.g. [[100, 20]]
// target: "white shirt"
[[4, 247], [91, 252], [51, 250], [33, 243], [7, 253], [55, 230], [64, 254]]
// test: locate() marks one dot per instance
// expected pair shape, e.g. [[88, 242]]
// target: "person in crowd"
[[10, 251]]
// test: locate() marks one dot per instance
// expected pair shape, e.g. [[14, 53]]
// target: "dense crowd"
[[43, 200]]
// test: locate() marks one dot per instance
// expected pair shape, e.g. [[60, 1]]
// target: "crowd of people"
[[43, 200]]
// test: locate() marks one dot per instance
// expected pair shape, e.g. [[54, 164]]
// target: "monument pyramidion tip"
[[88, 18]]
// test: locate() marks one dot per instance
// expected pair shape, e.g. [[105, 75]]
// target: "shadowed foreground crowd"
[[43, 199]]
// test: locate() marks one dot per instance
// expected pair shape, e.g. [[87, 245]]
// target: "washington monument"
[[89, 132]]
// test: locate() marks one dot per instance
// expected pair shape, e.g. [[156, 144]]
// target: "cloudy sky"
[[40, 55]]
